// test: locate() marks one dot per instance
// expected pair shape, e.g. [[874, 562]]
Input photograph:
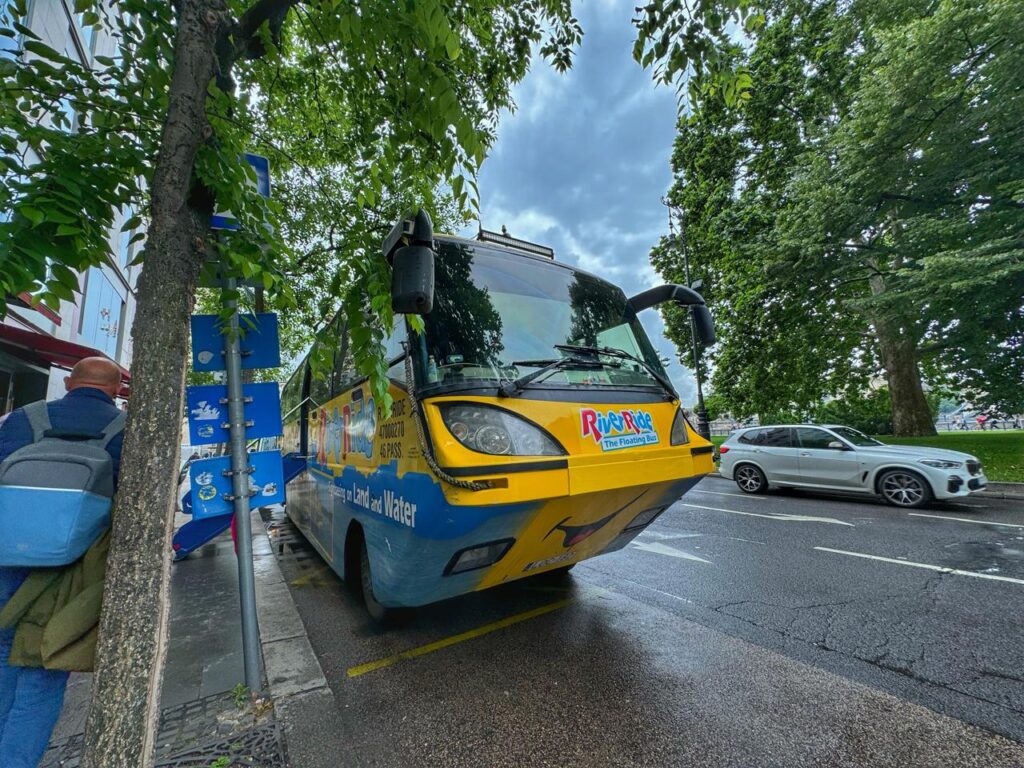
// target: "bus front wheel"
[[378, 612]]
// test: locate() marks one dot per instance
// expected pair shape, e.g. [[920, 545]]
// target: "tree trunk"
[[121, 724], [911, 416]]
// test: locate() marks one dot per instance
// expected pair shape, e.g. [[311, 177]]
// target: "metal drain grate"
[[260, 747], [64, 755], [196, 722], [207, 723]]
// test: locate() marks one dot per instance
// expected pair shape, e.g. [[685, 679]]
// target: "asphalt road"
[[786, 630]]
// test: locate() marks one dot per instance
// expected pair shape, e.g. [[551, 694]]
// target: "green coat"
[[56, 612]]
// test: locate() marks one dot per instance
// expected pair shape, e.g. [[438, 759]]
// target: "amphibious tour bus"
[[533, 425]]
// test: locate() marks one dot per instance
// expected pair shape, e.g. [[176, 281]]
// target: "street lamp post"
[[703, 426]]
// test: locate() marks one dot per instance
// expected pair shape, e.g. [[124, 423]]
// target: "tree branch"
[[263, 11]]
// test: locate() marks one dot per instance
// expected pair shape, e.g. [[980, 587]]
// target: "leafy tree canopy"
[[862, 211], [362, 108]]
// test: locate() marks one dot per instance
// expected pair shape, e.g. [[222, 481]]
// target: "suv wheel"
[[903, 488], [750, 479]]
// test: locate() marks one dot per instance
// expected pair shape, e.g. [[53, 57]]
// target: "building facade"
[[38, 345]]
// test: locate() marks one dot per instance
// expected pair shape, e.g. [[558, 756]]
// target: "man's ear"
[[67, 381]]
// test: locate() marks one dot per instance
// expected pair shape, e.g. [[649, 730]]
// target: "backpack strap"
[[38, 416], [113, 429]]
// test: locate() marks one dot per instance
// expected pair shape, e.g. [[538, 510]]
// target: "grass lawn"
[[1001, 451]]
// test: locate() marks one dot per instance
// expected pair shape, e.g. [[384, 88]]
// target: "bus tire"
[[379, 613]]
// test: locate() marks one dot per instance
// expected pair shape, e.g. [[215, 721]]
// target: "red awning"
[[53, 351]]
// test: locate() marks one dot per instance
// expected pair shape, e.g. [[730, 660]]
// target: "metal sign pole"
[[240, 491]]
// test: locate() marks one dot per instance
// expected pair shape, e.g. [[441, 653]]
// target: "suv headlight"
[[486, 429], [940, 463], [679, 434]]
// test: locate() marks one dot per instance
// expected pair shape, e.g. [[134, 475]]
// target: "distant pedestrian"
[[31, 697]]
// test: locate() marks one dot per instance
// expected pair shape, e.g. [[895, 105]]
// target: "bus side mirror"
[[704, 324], [412, 280], [684, 297]]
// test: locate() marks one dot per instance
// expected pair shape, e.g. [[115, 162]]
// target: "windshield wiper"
[[513, 388], [622, 355]]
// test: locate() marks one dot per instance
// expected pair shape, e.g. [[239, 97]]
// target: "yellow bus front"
[[533, 427]]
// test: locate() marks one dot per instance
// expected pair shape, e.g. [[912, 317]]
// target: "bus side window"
[[393, 347], [291, 396], [321, 365]]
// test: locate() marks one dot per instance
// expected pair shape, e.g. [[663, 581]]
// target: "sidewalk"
[[205, 714]]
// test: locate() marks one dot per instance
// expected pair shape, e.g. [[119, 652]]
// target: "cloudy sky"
[[582, 163]]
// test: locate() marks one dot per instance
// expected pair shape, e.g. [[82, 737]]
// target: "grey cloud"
[[582, 163]]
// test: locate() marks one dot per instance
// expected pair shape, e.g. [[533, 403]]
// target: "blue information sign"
[[224, 219], [259, 342], [207, 417], [211, 487]]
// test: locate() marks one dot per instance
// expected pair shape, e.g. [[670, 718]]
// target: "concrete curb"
[[290, 665], [1004, 491]]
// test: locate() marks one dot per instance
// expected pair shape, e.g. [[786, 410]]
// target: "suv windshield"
[[499, 317], [853, 436]]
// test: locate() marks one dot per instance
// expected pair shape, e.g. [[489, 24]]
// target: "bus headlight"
[[495, 431], [679, 435]]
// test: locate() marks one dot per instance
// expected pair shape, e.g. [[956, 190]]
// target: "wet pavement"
[[791, 630]]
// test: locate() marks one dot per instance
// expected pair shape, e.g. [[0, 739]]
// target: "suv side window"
[[817, 439], [751, 438], [776, 437]]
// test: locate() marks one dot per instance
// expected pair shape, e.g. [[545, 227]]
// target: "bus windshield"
[[498, 317]]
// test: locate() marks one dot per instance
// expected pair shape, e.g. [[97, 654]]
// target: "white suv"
[[842, 459]]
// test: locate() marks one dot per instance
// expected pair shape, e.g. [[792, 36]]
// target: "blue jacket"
[[85, 408]]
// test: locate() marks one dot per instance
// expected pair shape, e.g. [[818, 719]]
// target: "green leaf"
[[41, 49], [32, 214], [64, 275], [132, 223], [452, 47]]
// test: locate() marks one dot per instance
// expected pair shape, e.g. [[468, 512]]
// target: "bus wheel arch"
[[359, 574], [354, 539]]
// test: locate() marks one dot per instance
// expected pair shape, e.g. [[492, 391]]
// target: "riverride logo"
[[618, 429]]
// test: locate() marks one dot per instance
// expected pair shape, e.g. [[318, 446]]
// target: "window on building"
[[103, 312], [86, 33]]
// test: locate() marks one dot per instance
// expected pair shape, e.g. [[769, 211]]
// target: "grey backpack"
[[55, 493]]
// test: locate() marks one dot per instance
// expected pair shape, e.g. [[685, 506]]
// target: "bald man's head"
[[96, 372]]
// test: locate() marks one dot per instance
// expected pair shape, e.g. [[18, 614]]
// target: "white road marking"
[[737, 495], [668, 536], [927, 566], [778, 516], [736, 538], [663, 549], [965, 520]]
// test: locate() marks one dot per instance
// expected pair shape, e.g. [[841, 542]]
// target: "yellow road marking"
[[311, 577], [423, 650]]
